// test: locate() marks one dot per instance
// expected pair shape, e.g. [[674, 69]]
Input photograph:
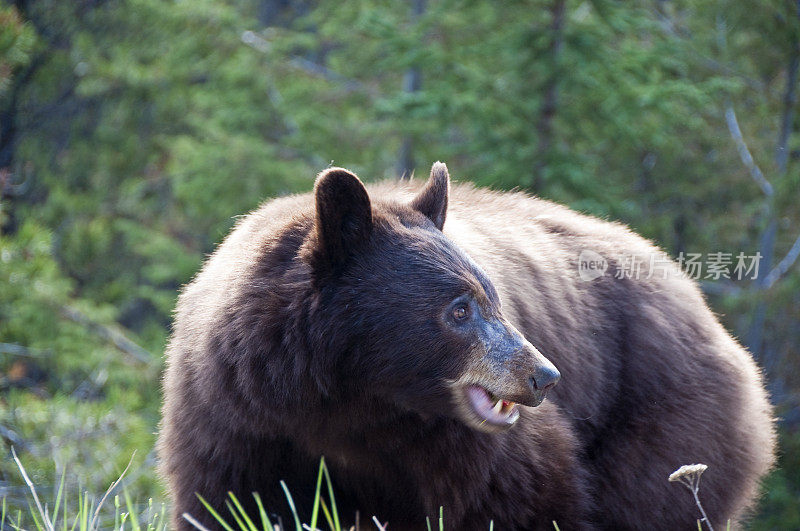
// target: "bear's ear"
[[432, 200], [343, 219]]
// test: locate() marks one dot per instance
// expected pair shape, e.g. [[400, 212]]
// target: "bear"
[[440, 347]]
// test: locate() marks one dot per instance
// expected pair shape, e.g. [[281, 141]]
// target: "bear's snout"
[[512, 367], [527, 375], [545, 376]]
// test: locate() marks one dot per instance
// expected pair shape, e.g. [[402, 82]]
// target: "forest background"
[[133, 132]]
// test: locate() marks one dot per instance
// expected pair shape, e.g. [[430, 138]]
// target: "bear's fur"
[[324, 326]]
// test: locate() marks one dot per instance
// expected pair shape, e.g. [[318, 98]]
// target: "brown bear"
[[410, 334]]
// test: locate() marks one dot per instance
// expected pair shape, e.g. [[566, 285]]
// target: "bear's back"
[[640, 353]]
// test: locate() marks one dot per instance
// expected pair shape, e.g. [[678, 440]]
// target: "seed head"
[[689, 475], [690, 472]]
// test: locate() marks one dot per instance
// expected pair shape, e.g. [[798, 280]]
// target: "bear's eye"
[[460, 312]]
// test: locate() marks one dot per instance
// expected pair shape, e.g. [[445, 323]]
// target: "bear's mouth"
[[491, 409]]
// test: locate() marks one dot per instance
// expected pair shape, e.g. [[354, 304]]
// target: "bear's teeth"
[[498, 407]]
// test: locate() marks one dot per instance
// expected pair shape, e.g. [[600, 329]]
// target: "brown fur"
[[313, 330]]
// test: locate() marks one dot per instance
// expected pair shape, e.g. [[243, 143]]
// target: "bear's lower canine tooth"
[[498, 406]]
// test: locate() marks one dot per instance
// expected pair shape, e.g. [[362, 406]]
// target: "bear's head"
[[411, 319]]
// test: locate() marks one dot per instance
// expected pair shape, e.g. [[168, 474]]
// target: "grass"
[[244, 522], [89, 514]]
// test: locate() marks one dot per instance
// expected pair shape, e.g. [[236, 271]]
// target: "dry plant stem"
[[108, 492], [702, 511], [693, 484], [47, 523], [194, 522]]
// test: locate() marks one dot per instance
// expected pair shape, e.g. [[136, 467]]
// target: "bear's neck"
[[381, 441]]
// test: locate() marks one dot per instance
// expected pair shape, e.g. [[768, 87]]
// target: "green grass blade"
[[491, 525], [441, 518], [131, 507], [297, 524], [59, 495], [36, 521], [83, 510], [317, 493], [334, 510], [19, 520], [428, 521], [87, 510], [327, 514], [555, 525], [232, 510], [77, 516], [265, 523], [250, 525], [214, 513], [64, 520], [163, 520]]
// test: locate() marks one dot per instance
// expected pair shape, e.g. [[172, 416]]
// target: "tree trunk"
[[755, 337], [544, 125], [412, 82]]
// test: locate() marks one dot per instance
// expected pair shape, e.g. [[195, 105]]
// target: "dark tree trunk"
[[544, 124], [412, 82], [755, 337]]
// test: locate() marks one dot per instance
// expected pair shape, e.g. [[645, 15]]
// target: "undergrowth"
[[87, 513]]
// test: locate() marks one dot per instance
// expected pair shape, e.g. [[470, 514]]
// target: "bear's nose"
[[544, 378]]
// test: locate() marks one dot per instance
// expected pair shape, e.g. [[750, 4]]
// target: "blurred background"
[[132, 133]]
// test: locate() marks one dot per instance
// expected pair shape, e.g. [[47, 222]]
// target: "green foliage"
[[16, 44], [132, 133], [779, 508], [69, 396]]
